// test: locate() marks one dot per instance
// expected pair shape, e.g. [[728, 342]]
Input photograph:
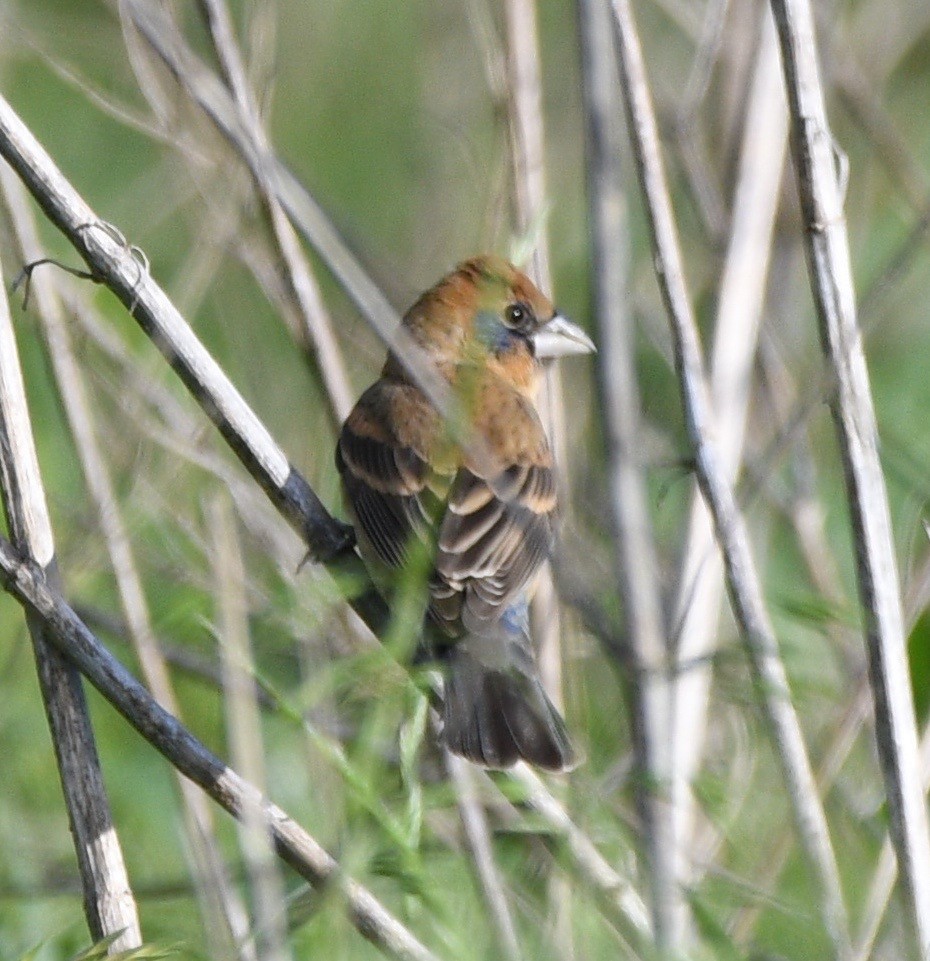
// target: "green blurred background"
[[391, 113]]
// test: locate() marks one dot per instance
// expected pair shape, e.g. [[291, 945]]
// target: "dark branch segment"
[[27, 583]]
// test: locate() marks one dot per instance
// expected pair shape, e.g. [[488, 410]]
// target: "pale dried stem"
[[858, 94], [302, 284], [740, 306], [827, 249], [478, 835], [633, 536], [618, 897], [804, 511], [243, 731], [691, 139], [109, 905], [741, 574], [524, 85], [222, 907]]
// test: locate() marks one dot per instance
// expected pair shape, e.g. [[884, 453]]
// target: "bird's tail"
[[497, 715]]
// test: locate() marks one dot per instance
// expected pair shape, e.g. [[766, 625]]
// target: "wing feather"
[[386, 481], [491, 532], [492, 552]]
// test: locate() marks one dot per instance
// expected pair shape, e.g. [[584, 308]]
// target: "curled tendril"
[[138, 256], [24, 277]]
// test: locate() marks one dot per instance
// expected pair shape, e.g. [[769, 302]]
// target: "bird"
[[482, 503]]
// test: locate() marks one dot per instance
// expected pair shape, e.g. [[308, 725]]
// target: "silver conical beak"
[[560, 338]]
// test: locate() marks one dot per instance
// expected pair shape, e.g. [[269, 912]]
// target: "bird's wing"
[[382, 459], [499, 524], [492, 529]]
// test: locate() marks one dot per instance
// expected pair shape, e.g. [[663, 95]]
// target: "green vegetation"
[[391, 113]]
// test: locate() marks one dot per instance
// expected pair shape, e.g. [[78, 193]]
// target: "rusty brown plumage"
[[489, 521]]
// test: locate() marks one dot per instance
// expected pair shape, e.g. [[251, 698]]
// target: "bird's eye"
[[518, 316]]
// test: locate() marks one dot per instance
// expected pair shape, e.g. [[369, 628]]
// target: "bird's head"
[[487, 308]]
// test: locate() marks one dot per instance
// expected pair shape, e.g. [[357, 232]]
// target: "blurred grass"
[[383, 109]]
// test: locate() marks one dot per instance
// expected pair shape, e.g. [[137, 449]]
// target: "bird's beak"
[[560, 338]]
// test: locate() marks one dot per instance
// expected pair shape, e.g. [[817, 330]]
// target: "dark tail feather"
[[496, 718]]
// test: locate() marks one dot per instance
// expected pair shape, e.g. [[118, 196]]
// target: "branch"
[[527, 139], [633, 537], [113, 264], [827, 249], [243, 730], [218, 899], [743, 581], [478, 836], [301, 284], [26, 581], [616, 894], [740, 305], [108, 900]]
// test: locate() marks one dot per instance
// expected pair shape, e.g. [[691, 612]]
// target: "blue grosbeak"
[[486, 509]]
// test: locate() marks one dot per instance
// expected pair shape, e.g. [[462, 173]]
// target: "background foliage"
[[394, 115]]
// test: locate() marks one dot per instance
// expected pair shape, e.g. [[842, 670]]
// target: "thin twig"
[[301, 282], [634, 545], [109, 904], [243, 727], [691, 140], [223, 908], [188, 662], [830, 271], [859, 94], [617, 895], [26, 581], [803, 508], [478, 835], [742, 577], [527, 137], [739, 313]]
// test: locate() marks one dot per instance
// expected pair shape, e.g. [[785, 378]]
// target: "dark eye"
[[518, 316]]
